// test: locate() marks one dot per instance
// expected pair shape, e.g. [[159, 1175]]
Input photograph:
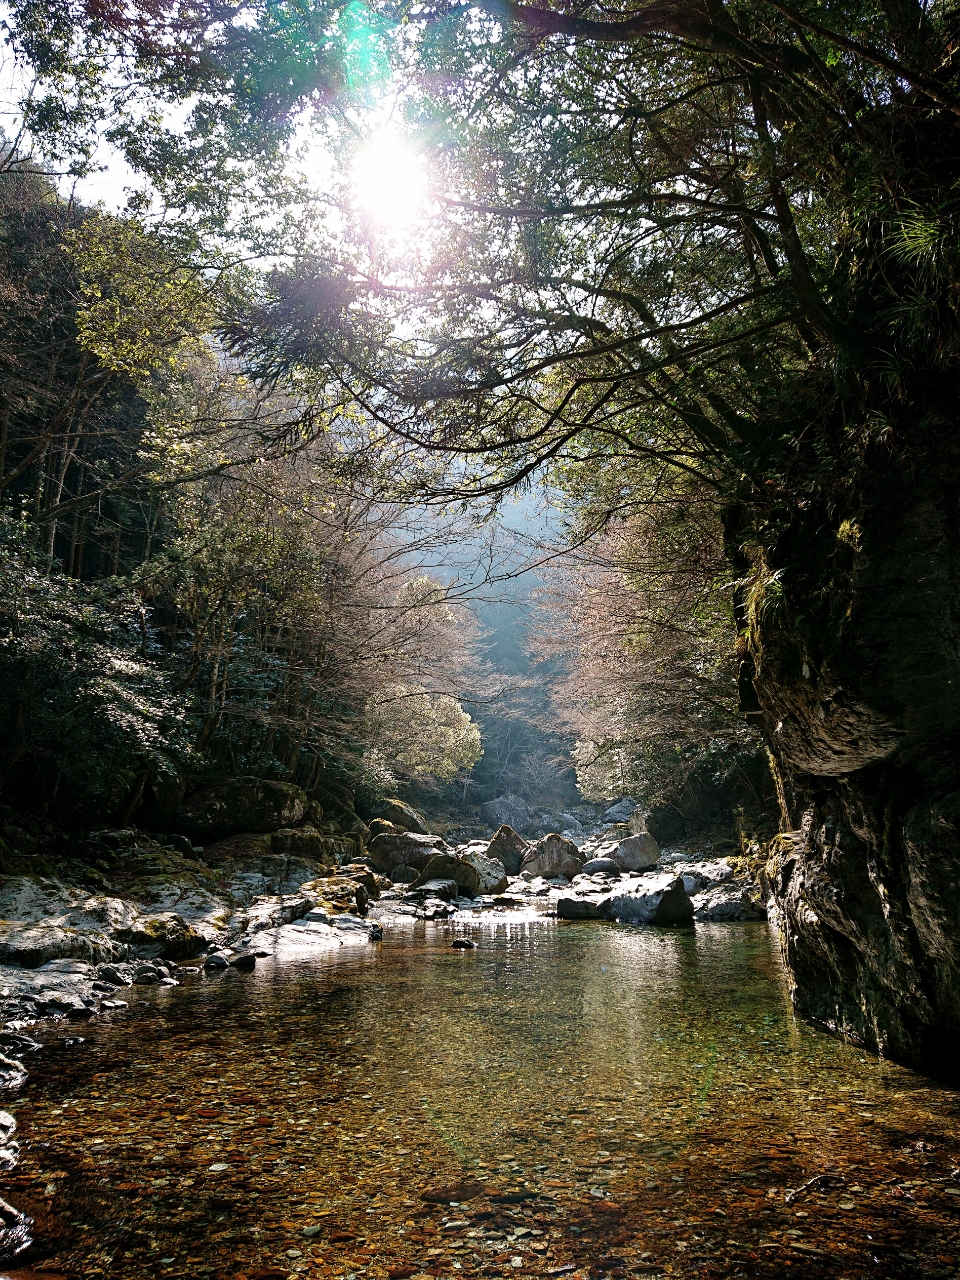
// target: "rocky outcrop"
[[851, 666]]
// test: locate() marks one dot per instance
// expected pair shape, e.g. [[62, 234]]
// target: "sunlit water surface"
[[623, 1101]]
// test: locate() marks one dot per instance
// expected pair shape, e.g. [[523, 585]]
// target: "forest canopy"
[[698, 247]]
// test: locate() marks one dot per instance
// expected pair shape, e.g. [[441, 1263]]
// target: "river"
[[596, 1099]]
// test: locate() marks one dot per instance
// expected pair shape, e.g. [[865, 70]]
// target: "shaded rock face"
[[508, 847], [241, 804], [854, 677], [448, 866]]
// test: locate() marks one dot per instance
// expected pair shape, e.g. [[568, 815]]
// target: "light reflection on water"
[[583, 1063]]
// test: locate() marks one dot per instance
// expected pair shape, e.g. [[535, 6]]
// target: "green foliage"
[[84, 706]]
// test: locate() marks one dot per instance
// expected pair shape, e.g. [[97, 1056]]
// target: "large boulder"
[[508, 847], [386, 851], [233, 805], [492, 872], [637, 853], [551, 857], [448, 866], [401, 814], [621, 811], [653, 900], [660, 900], [510, 811]]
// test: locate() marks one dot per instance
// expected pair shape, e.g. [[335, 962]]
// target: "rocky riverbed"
[[75, 951]]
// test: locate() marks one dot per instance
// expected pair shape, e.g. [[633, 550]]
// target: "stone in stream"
[[12, 1073], [551, 857], [448, 866], [463, 944], [245, 961], [660, 900], [453, 1193], [216, 961], [118, 977]]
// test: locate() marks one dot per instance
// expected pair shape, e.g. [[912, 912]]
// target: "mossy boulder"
[[401, 814], [233, 805]]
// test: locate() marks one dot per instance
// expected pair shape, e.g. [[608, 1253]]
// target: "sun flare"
[[389, 184]]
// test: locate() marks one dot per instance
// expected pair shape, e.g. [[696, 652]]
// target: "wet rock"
[[463, 944], [443, 890], [245, 962], [448, 866], [552, 856], [146, 978], [216, 961], [18, 1045], [9, 1147], [509, 848], [402, 815], [118, 977], [12, 1074], [64, 1004], [408, 848]]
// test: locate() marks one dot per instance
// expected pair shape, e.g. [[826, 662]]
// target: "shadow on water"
[[592, 1099]]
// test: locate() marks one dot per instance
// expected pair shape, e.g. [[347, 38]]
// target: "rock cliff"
[[849, 622]]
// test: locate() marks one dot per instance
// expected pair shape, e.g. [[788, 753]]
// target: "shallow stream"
[[595, 1099]]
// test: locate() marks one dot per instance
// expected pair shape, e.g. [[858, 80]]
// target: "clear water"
[[630, 1101]]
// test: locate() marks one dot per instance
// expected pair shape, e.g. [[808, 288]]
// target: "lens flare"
[[389, 184]]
